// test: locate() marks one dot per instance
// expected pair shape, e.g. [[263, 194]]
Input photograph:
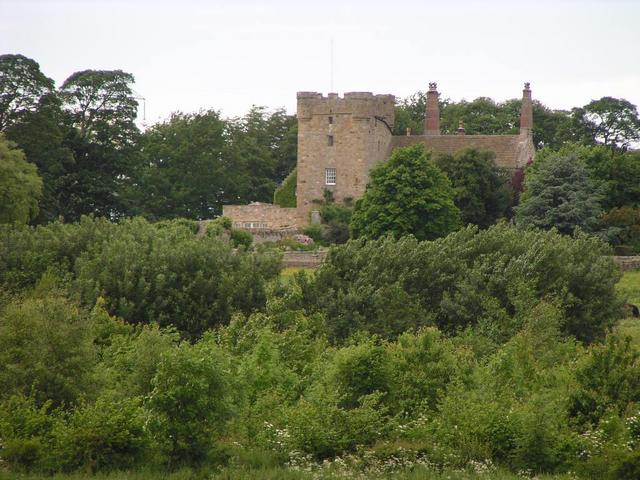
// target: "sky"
[[188, 55]]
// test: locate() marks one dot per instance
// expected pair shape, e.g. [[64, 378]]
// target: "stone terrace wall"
[[303, 259], [263, 216], [628, 263]]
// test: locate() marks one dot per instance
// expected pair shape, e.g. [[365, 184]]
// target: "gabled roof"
[[512, 151]]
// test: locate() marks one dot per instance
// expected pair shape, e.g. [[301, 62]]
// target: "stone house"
[[341, 138]]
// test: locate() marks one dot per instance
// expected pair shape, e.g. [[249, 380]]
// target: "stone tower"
[[339, 140]]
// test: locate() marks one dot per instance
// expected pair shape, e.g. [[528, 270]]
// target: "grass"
[[629, 287], [286, 275]]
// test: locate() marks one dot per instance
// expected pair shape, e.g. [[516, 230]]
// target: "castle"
[[341, 138]]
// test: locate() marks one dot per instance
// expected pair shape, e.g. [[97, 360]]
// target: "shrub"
[[172, 278], [45, 344], [241, 238], [285, 194], [388, 286], [26, 253], [26, 433], [608, 380], [190, 401], [106, 435]]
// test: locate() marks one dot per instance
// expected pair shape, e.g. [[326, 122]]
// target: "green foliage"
[[624, 229], [484, 116], [20, 185], [189, 401], [101, 110], [608, 380], [613, 122], [170, 277], [559, 194], [625, 180], [41, 135], [482, 190], [45, 345], [241, 238], [407, 195], [22, 85], [106, 435], [195, 163], [26, 431], [26, 253], [285, 194], [467, 278]]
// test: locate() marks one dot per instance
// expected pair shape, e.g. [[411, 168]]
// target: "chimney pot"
[[526, 111], [432, 113]]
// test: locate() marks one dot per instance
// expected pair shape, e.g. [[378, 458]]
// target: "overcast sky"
[[228, 55]]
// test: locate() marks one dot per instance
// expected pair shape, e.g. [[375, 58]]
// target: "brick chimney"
[[432, 114], [526, 112]]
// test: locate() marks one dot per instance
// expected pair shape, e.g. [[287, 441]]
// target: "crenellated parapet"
[[357, 104]]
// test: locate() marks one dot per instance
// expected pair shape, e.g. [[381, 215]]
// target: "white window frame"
[[330, 176]]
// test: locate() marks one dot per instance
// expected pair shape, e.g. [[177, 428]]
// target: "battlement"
[[358, 104]]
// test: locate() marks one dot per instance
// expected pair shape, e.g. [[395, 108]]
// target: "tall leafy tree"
[[20, 185], [613, 122], [482, 190], [22, 85], [407, 195], [42, 134], [187, 169], [560, 194], [101, 109]]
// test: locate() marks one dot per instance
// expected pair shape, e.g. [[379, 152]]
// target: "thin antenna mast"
[[331, 65]]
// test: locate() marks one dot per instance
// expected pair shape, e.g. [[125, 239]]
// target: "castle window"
[[330, 120], [330, 140], [330, 176]]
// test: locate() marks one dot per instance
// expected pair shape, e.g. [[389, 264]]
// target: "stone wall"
[[303, 259], [628, 263], [263, 216]]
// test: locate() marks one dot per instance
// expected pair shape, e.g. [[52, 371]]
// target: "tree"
[[487, 278], [20, 185], [101, 110], [484, 116], [187, 169], [45, 344], [190, 400], [42, 134], [559, 194], [482, 190], [22, 85], [610, 121], [153, 273], [406, 195]]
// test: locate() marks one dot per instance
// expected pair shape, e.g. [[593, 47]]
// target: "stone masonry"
[[341, 138]]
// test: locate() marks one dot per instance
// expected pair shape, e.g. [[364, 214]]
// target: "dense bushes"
[[470, 278], [458, 353], [145, 272]]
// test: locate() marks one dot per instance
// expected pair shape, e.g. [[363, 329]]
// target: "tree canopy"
[[482, 191], [559, 194], [20, 185], [22, 85], [406, 195]]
